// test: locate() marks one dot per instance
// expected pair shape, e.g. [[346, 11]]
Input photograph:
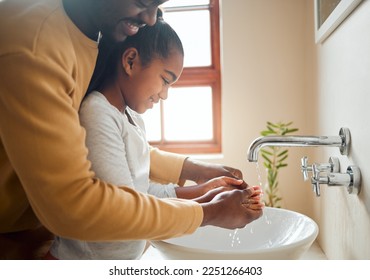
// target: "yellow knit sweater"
[[45, 67]]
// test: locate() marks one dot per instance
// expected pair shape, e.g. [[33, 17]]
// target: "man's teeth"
[[132, 24]]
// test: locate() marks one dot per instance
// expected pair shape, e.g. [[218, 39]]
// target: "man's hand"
[[233, 209]]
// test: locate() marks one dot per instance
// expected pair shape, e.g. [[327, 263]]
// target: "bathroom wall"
[[343, 100], [274, 71], [267, 72]]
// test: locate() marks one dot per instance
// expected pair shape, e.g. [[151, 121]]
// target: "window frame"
[[201, 76]]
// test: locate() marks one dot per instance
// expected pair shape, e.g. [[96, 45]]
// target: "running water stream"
[[259, 175], [235, 240]]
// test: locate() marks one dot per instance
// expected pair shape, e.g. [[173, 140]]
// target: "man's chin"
[[114, 37], [120, 38]]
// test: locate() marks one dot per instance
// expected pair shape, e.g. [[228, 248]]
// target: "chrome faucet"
[[342, 141], [329, 174], [333, 167]]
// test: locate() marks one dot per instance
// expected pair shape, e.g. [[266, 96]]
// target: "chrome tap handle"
[[315, 179], [329, 174], [315, 187], [305, 168], [332, 166], [318, 169]]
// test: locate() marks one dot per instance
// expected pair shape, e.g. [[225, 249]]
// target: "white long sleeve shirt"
[[120, 155]]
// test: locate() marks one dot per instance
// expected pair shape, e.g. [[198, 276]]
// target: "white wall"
[[267, 74], [271, 72], [344, 100]]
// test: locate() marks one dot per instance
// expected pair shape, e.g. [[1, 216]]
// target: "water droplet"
[[234, 237]]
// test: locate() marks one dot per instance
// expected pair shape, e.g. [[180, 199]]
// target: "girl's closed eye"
[[165, 81]]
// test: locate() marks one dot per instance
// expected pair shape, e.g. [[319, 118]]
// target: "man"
[[47, 55]]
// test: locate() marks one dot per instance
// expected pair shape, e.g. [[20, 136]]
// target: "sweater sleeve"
[[165, 167], [45, 145]]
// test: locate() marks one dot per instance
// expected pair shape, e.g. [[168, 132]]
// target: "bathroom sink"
[[278, 234]]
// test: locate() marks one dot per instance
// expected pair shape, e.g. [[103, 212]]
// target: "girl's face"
[[143, 86]]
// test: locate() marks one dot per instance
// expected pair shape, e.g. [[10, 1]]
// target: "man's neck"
[[79, 12]]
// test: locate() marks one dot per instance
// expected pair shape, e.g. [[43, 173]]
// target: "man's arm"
[[45, 145]]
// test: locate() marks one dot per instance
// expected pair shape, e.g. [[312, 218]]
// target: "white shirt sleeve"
[[107, 151], [162, 190]]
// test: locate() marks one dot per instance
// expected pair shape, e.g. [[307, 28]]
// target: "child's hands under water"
[[227, 202], [253, 200], [232, 208], [222, 183]]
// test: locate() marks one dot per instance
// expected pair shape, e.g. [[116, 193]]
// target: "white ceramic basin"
[[278, 234]]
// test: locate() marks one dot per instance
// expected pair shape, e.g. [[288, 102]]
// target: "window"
[[189, 121]]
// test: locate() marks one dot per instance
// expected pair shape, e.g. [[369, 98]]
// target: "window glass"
[[195, 35], [188, 114], [175, 3], [152, 120], [189, 121]]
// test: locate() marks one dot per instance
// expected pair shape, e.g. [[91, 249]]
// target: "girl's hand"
[[252, 201], [255, 200], [222, 183], [200, 172]]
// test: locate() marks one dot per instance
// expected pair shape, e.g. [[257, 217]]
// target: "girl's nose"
[[149, 16], [164, 94]]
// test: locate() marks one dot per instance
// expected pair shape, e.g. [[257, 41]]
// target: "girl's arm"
[[226, 183]]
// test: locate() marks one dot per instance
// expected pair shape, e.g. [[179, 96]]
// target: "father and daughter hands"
[[222, 184], [230, 203], [227, 200]]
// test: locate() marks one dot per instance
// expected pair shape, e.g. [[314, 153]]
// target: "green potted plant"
[[274, 158]]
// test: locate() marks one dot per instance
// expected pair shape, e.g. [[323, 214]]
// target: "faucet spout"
[[342, 141]]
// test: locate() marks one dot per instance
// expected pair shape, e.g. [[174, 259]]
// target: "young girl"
[[137, 74]]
